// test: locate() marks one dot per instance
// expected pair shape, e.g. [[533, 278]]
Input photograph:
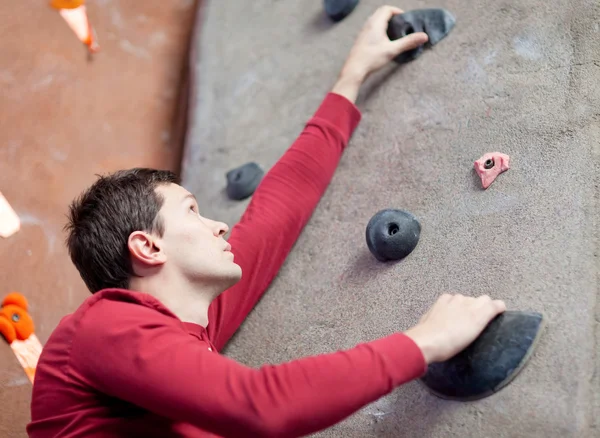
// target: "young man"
[[140, 357]]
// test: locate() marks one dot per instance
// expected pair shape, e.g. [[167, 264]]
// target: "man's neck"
[[189, 302]]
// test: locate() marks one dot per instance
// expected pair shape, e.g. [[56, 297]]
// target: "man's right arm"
[[160, 367]]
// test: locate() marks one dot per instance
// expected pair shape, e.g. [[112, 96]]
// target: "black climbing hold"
[[337, 10], [243, 181], [491, 362], [489, 163], [436, 23], [392, 234]]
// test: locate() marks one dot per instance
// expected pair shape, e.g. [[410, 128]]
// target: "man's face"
[[194, 245]]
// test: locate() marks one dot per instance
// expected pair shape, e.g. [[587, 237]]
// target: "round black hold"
[[392, 234], [243, 181], [398, 27], [337, 10], [489, 163]]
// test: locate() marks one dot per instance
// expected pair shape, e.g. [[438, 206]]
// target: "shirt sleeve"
[[151, 362], [279, 209]]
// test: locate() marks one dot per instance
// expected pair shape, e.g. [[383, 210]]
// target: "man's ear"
[[145, 250]]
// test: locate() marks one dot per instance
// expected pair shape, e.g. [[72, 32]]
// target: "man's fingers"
[[483, 300], [493, 309], [445, 298], [499, 305], [409, 42], [385, 13]]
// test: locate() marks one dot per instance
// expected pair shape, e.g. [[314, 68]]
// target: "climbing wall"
[[521, 78]]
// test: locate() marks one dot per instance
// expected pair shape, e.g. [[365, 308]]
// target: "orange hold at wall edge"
[[17, 327], [66, 4], [75, 14]]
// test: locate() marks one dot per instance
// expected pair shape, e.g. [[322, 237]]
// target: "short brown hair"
[[102, 218]]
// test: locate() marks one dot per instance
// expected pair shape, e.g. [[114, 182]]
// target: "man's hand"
[[372, 50], [452, 324]]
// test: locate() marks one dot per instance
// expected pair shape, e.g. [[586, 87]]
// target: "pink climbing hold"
[[490, 166]]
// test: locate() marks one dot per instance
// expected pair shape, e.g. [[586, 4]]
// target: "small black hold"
[[489, 163], [392, 234], [243, 181], [490, 362], [436, 23], [337, 10]]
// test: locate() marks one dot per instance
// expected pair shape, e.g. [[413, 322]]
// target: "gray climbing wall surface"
[[521, 78]]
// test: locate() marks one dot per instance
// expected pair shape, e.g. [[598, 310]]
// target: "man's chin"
[[240, 274], [236, 273]]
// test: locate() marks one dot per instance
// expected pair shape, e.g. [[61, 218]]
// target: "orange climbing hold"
[[16, 325], [75, 14], [66, 4]]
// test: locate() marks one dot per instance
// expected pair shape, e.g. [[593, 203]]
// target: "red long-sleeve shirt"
[[124, 365]]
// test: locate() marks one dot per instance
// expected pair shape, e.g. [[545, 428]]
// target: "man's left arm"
[[280, 208], [288, 194]]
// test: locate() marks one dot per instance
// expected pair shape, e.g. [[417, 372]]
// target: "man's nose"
[[220, 228]]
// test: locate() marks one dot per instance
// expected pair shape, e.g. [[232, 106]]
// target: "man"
[[140, 357]]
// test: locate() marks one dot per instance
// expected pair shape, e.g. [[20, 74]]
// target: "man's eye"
[[194, 210]]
